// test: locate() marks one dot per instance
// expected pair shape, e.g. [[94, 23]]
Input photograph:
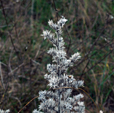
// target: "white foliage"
[[4, 111], [60, 100]]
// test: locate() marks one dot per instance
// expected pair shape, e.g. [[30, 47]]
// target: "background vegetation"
[[23, 52]]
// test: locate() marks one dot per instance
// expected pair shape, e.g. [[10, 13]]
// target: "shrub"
[[59, 99]]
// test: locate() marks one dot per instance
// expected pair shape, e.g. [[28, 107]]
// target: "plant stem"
[[58, 63]]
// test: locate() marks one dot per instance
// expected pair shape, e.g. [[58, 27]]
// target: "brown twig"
[[28, 103]]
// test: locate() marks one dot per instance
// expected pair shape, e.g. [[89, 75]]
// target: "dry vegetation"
[[23, 56]]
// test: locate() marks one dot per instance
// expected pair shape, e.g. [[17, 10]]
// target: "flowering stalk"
[[59, 100]]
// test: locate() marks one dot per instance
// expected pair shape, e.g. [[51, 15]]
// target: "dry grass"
[[23, 56]]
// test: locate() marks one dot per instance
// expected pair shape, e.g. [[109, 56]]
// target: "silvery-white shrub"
[[4, 111], [58, 99]]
